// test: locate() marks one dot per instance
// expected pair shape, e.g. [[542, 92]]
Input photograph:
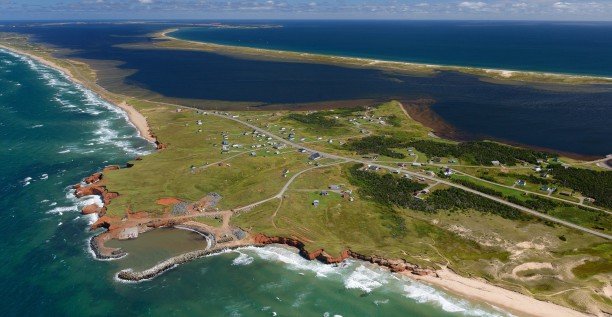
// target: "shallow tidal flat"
[[564, 118]]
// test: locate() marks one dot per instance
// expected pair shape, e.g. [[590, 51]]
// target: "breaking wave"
[[366, 277], [110, 126]]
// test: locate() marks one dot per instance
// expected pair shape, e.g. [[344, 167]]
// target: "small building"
[[199, 122], [334, 187], [302, 150], [495, 163], [546, 188], [537, 169], [225, 142], [416, 164], [253, 154], [315, 203], [521, 182], [324, 193], [373, 168], [448, 172], [314, 156]]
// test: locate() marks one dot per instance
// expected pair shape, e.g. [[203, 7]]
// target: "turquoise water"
[[52, 134]]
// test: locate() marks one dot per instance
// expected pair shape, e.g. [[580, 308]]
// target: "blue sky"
[[307, 9]]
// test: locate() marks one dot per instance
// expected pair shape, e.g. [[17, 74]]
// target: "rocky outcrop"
[[103, 222], [319, 254], [111, 168], [94, 178], [102, 252], [164, 223], [83, 191], [395, 265], [160, 146], [108, 196], [90, 209]]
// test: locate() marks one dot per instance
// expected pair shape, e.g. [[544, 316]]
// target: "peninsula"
[[525, 230]]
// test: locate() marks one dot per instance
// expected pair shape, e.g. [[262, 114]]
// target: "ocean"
[[560, 118], [52, 134], [583, 48]]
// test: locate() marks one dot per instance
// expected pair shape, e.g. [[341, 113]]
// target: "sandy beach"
[[479, 290], [135, 117]]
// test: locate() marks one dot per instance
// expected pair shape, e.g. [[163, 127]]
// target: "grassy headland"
[[372, 211]]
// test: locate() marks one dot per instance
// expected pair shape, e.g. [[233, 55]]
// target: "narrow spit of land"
[[496, 74]]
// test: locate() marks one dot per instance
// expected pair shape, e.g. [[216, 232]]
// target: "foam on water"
[[426, 294], [365, 279], [242, 259], [74, 97], [369, 278], [293, 260]]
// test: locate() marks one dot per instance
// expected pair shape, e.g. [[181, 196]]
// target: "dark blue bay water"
[[559, 47], [560, 118], [52, 134]]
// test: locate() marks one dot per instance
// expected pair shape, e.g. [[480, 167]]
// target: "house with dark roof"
[[314, 156]]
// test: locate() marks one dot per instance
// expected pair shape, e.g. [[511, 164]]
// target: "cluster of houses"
[[344, 193]]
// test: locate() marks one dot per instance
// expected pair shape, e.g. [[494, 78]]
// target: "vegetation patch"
[[385, 189], [591, 268], [594, 184], [377, 144], [479, 152], [394, 120], [315, 119], [454, 199], [388, 190]]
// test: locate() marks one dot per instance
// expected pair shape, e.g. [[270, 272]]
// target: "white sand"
[[513, 302]]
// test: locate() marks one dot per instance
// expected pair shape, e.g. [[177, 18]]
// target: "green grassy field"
[[574, 267], [471, 242]]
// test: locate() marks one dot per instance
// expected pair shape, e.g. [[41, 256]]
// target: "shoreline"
[[134, 117], [494, 290], [444, 279], [479, 290], [521, 76]]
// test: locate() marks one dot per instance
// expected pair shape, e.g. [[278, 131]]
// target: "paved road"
[[435, 179]]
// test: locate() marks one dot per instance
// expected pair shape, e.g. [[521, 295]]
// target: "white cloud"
[[145, 1], [561, 5], [477, 6]]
